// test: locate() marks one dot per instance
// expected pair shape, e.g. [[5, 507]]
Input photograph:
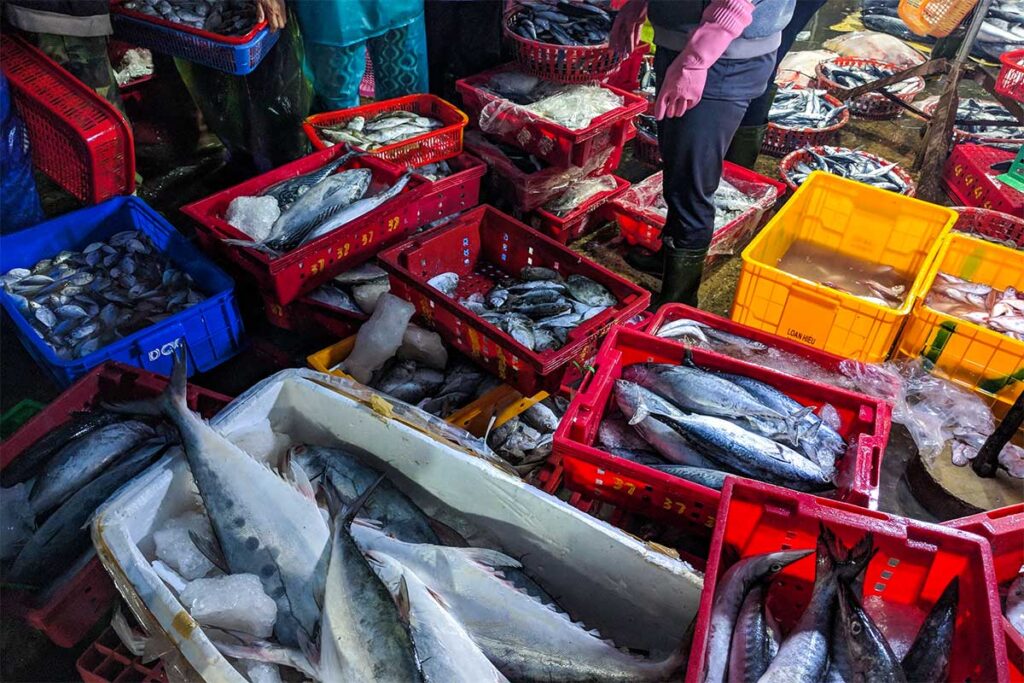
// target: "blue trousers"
[[399, 59], [693, 145]]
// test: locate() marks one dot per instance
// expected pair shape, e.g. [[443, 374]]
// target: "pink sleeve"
[[723, 21]]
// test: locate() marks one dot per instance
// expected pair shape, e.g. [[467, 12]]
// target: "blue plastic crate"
[[211, 330], [238, 58]]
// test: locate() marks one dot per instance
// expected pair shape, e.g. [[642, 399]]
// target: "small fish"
[[445, 283]]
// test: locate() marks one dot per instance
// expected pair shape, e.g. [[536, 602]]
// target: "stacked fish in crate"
[[550, 130], [381, 171]]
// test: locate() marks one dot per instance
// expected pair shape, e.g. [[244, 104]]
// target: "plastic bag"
[[797, 69], [571, 106], [258, 117], [580, 193], [874, 45], [19, 201]]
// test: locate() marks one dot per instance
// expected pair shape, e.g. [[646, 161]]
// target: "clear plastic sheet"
[[572, 106], [579, 194], [543, 185], [739, 205], [874, 45]]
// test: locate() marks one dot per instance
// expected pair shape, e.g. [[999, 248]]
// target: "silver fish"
[[754, 640], [929, 655], [356, 209], [871, 657]]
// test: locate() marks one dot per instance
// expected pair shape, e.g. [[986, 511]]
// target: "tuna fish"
[[928, 657], [871, 658], [25, 466], [755, 639]]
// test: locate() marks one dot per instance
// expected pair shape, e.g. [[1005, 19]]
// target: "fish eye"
[[775, 567], [856, 628]]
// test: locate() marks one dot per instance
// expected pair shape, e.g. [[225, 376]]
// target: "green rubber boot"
[[681, 279], [746, 145], [645, 261]]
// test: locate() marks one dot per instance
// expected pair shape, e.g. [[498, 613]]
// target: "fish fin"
[[688, 357], [356, 505], [310, 649], [795, 424], [297, 476], [402, 600], [258, 246], [211, 550], [438, 598], [641, 413], [490, 558], [447, 535]]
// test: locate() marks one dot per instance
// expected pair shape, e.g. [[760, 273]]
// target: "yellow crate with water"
[[849, 219], [972, 355], [502, 402]]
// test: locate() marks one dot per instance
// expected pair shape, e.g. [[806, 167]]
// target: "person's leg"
[[399, 59], [86, 59], [337, 73]]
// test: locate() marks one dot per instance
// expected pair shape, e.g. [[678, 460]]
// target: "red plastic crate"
[[865, 424], [67, 610], [646, 150], [873, 105], [559, 63], [555, 144], [107, 660], [1010, 82], [914, 564], [793, 158], [78, 138], [780, 140], [482, 246], [305, 314], [626, 75], [970, 180], [528, 191], [1004, 530], [994, 225], [644, 227], [305, 268], [581, 220], [671, 312], [427, 148]]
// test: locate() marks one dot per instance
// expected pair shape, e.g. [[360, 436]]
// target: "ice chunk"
[[367, 294], [169, 576], [16, 521], [235, 602], [260, 441], [253, 215], [175, 548], [830, 416], [423, 346], [261, 672], [379, 337]]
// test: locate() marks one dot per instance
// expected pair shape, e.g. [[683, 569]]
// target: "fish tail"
[[171, 403]]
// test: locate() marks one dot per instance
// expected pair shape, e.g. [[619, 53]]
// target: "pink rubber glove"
[[625, 35], [683, 86]]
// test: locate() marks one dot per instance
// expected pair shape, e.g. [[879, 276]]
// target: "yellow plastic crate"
[[503, 401], [974, 356], [852, 219]]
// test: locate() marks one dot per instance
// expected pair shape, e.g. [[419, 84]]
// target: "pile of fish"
[[571, 106], [383, 129], [435, 171], [840, 636], [647, 197], [805, 108], [580, 193], [226, 17], [848, 163], [539, 308], [999, 310], [850, 76], [561, 22], [987, 119], [525, 440], [81, 301], [356, 290], [377, 593], [299, 210], [52, 489], [1002, 30], [713, 424], [876, 282]]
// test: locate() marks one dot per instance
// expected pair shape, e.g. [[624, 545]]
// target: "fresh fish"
[[63, 537], [710, 478], [357, 209], [367, 272], [854, 76], [562, 23], [754, 640], [617, 433], [730, 202], [803, 108], [287, 191], [445, 283], [587, 291], [363, 636], [386, 128], [225, 17], [539, 274], [803, 656], [334, 296], [999, 310], [728, 601], [122, 285], [26, 465], [571, 106], [387, 506], [525, 638], [315, 207], [580, 193], [447, 652], [852, 164], [283, 543], [862, 278], [652, 417], [81, 460], [871, 657], [929, 655], [703, 332]]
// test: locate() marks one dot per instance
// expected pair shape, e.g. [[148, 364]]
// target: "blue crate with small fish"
[[233, 54], [116, 282]]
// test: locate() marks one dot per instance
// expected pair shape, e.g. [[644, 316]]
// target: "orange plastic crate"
[[852, 219], [78, 138], [972, 355]]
